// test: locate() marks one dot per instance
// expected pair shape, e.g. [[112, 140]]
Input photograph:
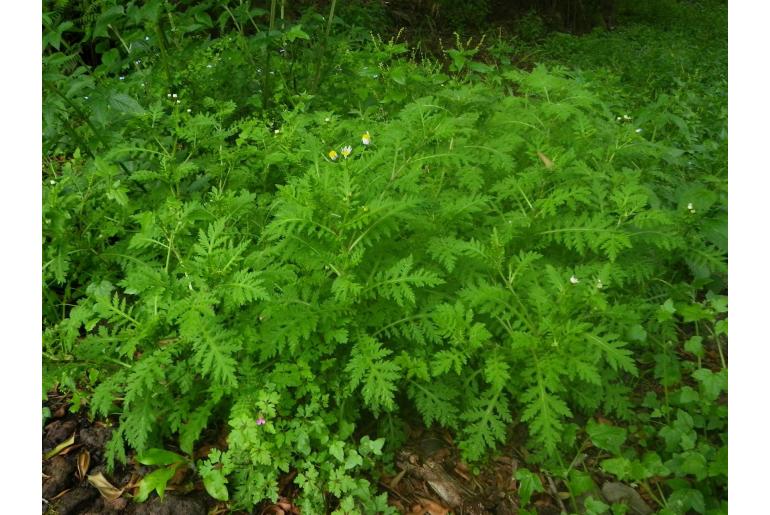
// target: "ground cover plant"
[[268, 220]]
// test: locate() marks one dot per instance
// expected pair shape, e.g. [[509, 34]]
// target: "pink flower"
[[261, 421]]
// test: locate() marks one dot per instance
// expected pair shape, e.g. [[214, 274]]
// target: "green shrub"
[[509, 247]]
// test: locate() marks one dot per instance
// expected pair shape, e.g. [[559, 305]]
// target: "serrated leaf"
[[615, 353], [529, 483]]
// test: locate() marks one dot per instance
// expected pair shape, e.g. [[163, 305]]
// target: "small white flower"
[[574, 280], [276, 131], [327, 119], [599, 284], [208, 66], [53, 182], [689, 206], [189, 110], [138, 62], [168, 95], [121, 78], [618, 119], [366, 138], [638, 131], [178, 101], [346, 150], [173, 95], [85, 97], [147, 38], [626, 117]]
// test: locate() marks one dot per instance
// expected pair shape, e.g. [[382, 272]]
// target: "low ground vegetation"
[[280, 223]]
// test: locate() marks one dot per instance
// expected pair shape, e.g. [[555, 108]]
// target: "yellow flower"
[[333, 155], [366, 138], [346, 150]]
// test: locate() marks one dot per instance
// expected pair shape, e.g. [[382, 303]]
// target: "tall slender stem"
[[322, 48], [266, 83]]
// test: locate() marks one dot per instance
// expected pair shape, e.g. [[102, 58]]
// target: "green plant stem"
[[266, 80], [721, 354], [654, 497], [85, 119], [79, 112], [162, 44], [320, 53]]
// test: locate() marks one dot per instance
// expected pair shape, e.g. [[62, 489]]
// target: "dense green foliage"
[[543, 247]]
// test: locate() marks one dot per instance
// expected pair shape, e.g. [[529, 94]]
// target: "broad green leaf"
[[685, 499], [216, 484], [713, 383], [296, 32], [157, 481], [159, 457], [337, 450], [354, 460], [694, 345], [125, 104], [580, 482], [619, 467], [606, 437], [595, 506]]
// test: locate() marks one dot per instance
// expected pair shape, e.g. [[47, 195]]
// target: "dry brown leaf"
[[428, 507], [461, 471], [547, 162], [60, 495], [394, 482], [70, 449], [219, 509], [59, 448], [118, 504], [105, 488], [84, 462], [285, 504]]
